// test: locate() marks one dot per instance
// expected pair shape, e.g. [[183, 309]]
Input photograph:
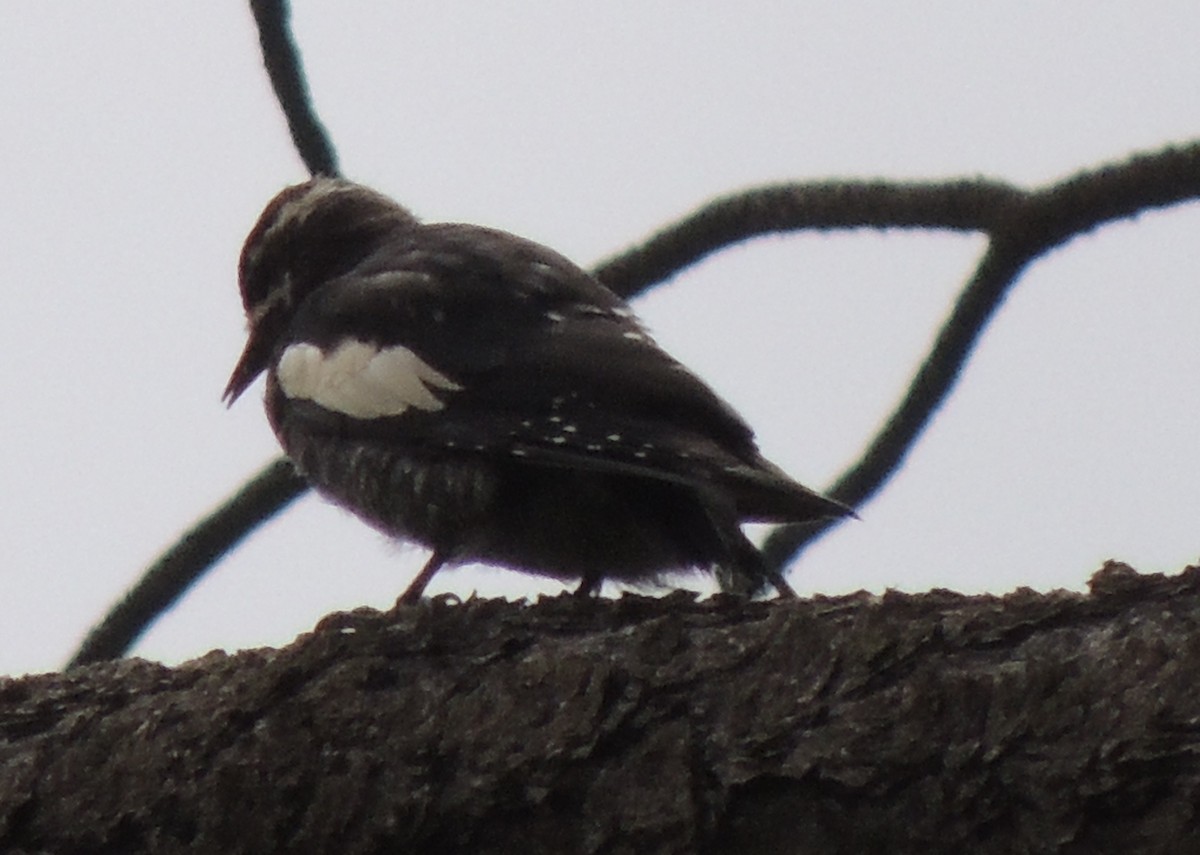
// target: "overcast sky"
[[142, 140]]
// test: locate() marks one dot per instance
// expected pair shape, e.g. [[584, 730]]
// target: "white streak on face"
[[362, 380], [298, 209]]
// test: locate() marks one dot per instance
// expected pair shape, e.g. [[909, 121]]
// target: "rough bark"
[[939, 722]]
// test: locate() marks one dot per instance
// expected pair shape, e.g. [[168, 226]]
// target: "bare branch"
[[282, 61], [966, 205], [1025, 226], [929, 389], [177, 569], [1047, 723]]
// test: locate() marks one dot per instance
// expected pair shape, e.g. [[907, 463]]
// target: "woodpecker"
[[482, 396]]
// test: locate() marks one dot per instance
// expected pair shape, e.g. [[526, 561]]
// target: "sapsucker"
[[481, 395]]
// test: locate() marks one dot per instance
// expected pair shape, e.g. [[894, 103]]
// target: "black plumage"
[[483, 396]]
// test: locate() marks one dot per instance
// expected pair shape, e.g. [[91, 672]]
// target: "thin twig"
[[264, 495], [282, 61], [1031, 225], [964, 205]]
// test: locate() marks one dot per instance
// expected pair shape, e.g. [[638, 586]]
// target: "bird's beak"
[[252, 363]]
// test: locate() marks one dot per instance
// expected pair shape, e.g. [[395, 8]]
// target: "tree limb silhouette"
[[181, 566], [1025, 226], [1030, 723], [282, 61]]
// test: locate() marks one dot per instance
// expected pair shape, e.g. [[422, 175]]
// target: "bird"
[[482, 396]]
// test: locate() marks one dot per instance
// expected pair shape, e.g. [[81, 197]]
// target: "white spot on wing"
[[362, 380]]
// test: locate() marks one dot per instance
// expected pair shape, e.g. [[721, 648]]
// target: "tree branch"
[[282, 61], [1024, 226], [962, 205], [181, 566], [940, 723]]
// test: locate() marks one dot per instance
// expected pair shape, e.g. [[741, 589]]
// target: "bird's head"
[[307, 235]]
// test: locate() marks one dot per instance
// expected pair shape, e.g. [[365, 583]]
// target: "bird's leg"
[[748, 571], [412, 595], [776, 579], [589, 586], [743, 571]]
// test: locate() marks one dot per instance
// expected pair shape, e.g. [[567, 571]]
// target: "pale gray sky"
[[141, 141]]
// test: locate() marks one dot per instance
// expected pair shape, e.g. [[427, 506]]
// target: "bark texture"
[[1056, 722]]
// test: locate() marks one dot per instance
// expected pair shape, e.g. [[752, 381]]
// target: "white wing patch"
[[362, 380]]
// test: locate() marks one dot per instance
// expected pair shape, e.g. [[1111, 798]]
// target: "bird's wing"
[[425, 346]]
